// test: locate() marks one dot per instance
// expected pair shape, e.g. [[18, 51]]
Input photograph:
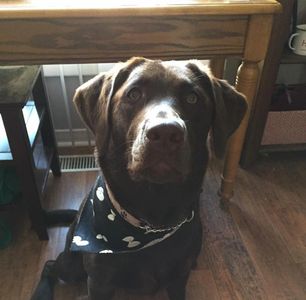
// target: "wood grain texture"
[[250, 251], [246, 83], [264, 224], [229, 260], [257, 39], [109, 39]]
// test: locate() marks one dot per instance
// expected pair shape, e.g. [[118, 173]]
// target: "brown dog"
[[151, 121]]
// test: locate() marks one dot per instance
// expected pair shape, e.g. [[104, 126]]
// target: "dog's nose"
[[166, 137]]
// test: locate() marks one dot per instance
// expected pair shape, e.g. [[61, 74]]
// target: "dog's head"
[[158, 111], [151, 119]]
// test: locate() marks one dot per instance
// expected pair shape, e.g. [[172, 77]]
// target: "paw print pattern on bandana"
[[131, 241], [79, 242], [106, 251], [101, 237], [111, 216], [100, 193]]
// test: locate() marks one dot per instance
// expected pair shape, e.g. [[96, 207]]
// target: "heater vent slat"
[[78, 163]]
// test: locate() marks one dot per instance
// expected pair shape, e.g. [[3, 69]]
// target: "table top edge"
[[24, 12]]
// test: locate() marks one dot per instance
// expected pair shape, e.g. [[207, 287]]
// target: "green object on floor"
[[5, 235], [9, 185]]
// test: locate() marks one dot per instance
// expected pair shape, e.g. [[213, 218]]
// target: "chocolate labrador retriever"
[[139, 228]]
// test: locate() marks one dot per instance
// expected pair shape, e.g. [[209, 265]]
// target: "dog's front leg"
[[98, 291], [177, 288]]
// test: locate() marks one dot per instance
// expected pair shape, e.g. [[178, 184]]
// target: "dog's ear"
[[230, 108], [86, 100], [93, 98], [229, 105]]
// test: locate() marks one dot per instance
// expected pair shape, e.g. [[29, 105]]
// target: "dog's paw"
[[79, 242]]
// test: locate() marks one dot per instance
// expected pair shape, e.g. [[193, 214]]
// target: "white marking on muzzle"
[[157, 114], [163, 113]]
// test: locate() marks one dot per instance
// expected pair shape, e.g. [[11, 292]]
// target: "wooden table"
[[77, 31]]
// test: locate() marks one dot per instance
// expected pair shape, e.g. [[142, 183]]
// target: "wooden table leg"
[[47, 129], [246, 83], [17, 135], [256, 45], [217, 66]]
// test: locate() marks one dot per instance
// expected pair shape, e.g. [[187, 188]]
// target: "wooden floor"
[[255, 249]]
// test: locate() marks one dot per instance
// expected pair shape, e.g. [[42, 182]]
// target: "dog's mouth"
[[163, 169], [147, 164], [158, 171]]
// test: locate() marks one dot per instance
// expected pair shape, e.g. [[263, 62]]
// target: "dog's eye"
[[134, 94], [192, 98]]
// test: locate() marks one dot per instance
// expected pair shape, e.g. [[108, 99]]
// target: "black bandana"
[[109, 232]]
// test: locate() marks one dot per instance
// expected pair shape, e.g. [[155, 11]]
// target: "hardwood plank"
[[232, 267], [69, 190], [257, 222], [23, 260], [249, 252], [288, 208], [202, 286]]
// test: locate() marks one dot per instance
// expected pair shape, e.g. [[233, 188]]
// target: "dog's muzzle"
[[160, 150]]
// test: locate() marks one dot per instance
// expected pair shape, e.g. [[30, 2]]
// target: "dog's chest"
[[104, 230], [148, 270]]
